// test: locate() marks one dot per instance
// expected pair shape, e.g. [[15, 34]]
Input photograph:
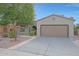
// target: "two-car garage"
[[54, 30], [55, 26]]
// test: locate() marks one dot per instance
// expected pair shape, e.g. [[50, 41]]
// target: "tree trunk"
[[15, 31]]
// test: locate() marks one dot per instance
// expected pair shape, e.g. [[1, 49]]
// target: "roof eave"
[[72, 19]]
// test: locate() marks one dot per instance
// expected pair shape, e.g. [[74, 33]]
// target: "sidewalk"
[[7, 52]]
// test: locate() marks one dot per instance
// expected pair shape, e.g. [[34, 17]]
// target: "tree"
[[76, 26], [20, 13], [23, 14], [26, 12]]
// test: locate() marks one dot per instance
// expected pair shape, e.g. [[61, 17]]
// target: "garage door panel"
[[54, 31]]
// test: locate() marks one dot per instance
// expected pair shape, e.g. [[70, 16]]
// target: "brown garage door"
[[54, 30]]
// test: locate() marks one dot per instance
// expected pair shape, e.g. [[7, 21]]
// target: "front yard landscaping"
[[7, 42], [12, 18]]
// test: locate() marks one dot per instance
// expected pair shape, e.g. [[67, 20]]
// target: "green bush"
[[12, 34], [33, 32]]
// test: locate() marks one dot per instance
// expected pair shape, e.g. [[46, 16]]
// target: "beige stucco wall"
[[56, 20]]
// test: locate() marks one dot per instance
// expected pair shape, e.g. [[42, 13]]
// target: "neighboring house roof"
[[62, 16]]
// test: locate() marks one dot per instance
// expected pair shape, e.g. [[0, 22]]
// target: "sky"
[[68, 10]]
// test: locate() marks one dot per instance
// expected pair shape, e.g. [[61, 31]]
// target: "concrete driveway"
[[50, 46]]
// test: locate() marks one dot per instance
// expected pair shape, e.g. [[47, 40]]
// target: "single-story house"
[[55, 26]]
